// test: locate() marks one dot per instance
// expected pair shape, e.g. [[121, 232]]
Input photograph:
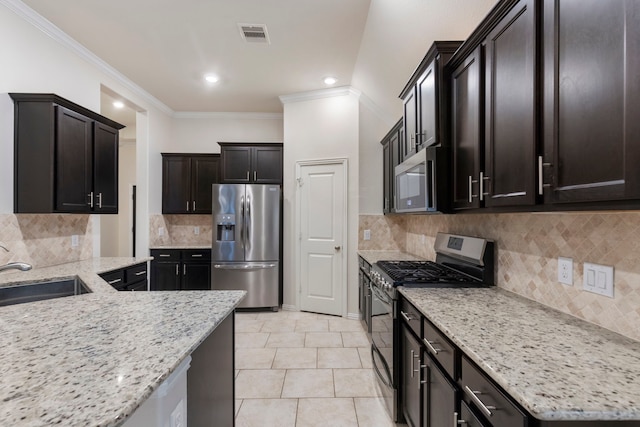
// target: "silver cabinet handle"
[[194, 206], [196, 255], [412, 359], [187, 206], [164, 255], [430, 346], [541, 184], [471, 195], [177, 271], [111, 282], [486, 409], [90, 195], [247, 175], [406, 316], [481, 181], [456, 423], [140, 273], [255, 175], [184, 269], [100, 200]]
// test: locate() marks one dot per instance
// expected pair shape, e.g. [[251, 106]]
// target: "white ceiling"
[[166, 46]]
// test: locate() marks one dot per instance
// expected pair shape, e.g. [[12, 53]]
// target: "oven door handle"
[[384, 298]]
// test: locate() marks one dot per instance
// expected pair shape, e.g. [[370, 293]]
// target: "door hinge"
[[300, 182]]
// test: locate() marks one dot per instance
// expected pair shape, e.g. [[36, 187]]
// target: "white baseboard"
[[353, 316], [287, 307]]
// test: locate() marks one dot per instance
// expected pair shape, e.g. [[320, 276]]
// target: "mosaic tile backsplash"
[[528, 248], [179, 230], [45, 240]]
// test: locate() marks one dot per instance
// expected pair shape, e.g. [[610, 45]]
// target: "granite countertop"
[[374, 256], [556, 366], [92, 359]]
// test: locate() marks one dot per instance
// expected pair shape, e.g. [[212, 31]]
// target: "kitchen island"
[[557, 367], [93, 359]]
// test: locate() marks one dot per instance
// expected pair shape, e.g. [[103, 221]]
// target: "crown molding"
[[227, 116], [47, 27], [319, 94]]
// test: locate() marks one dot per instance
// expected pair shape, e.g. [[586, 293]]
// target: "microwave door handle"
[[431, 184]]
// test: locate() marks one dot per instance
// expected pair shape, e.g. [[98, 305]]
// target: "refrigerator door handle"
[[248, 222], [242, 221], [244, 266]]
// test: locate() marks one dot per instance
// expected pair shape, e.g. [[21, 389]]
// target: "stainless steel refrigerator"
[[246, 242]]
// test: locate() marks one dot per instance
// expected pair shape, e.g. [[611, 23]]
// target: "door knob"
[[337, 248]]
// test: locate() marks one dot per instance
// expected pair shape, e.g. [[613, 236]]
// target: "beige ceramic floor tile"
[[259, 383], [308, 383], [254, 358], [286, 339], [355, 339], [354, 383], [267, 413], [278, 325], [326, 412], [302, 315], [341, 325], [338, 358], [323, 339], [246, 315], [365, 357], [248, 325], [271, 315], [251, 339], [296, 358], [312, 325], [371, 412]]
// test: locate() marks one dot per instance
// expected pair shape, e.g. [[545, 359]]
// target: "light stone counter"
[[92, 359], [374, 256], [556, 366]]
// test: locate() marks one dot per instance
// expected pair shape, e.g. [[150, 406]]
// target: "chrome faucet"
[[22, 266]]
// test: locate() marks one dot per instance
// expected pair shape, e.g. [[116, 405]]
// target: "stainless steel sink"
[[38, 291]]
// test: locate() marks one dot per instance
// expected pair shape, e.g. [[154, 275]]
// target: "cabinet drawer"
[[480, 392], [440, 348], [160, 255], [137, 286], [114, 278], [135, 273], [411, 316], [468, 418], [196, 255]]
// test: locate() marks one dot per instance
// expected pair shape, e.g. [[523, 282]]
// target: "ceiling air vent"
[[254, 33]]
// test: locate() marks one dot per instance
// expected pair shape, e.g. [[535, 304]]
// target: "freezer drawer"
[[259, 279]]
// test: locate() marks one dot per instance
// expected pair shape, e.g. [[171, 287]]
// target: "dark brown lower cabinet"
[[468, 419], [411, 378], [180, 269], [133, 278], [440, 397]]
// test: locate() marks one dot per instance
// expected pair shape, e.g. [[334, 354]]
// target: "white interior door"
[[321, 223]]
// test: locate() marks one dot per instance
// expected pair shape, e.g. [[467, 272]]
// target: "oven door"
[[382, 325]]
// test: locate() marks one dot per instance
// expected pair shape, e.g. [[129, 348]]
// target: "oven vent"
[[254, 33]]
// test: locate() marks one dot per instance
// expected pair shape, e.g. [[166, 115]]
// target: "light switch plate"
[[598, 279], [160, 231], [565, 271], [367, 234], [196, 230], [74, 241]]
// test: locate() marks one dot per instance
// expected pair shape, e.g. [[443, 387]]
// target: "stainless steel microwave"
[[422, 182]]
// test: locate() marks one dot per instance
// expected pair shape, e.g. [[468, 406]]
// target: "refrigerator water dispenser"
[[226, 228]]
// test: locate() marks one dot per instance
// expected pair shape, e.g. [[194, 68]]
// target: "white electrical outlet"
[[598, 279], [160, 231], [565, 271], [367, 234], [196, 230], [74, 241]]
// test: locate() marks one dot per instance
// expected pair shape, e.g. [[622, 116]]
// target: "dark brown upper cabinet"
[[186, 182], [425, 101], [591, 103], [66, 157], [494, 112], [251, 163], [390, 159]]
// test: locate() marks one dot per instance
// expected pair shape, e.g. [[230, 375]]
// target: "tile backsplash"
[[179, 230], [45, 239], [528, 248]]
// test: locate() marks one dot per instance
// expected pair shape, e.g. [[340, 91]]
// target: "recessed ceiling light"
[[330, 81], [118, 104], [211, 78]]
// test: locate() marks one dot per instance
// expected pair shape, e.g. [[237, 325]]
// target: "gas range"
[[461, 261]]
